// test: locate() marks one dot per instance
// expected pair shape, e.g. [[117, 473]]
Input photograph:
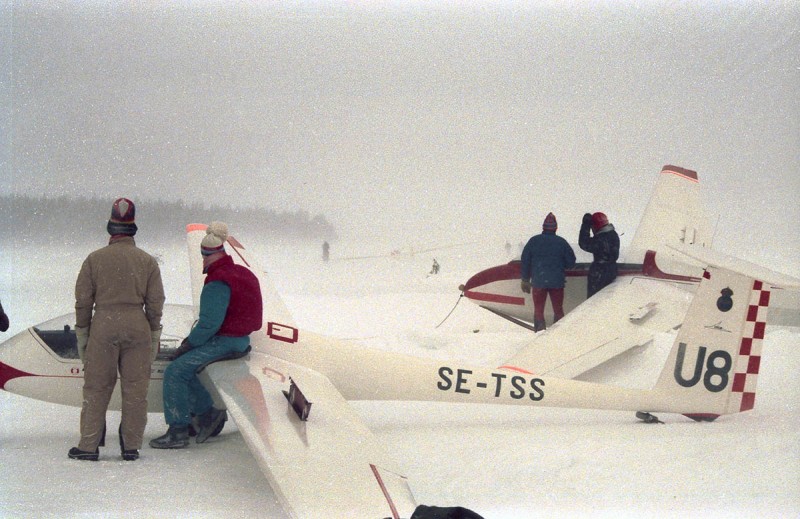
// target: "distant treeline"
[[30, 218]]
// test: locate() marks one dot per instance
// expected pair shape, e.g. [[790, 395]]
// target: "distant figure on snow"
[[435, 267], [119, 299], [326, 251], [544, 259], [230, 310], [604, 246]]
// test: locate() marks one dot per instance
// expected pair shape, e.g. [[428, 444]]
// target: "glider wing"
[[319, 457], [625, 314]]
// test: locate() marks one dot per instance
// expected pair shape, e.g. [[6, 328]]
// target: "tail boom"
[[712, 368]]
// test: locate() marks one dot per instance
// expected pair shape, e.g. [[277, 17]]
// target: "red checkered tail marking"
[[714, 363]]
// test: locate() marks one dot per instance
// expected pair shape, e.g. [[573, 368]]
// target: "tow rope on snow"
[[451, 311]]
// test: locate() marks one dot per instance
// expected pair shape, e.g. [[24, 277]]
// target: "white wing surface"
[[330, 465], [625, 314]]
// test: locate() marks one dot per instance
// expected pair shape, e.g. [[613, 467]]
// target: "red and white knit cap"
[[123, 218], [123, 211]]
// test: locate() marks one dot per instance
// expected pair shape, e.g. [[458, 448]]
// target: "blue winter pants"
[[184, 394]]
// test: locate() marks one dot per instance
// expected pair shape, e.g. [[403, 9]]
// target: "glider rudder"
[[714, 362]]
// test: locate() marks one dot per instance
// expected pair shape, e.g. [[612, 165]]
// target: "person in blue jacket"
[[544, 259], [604, 246]]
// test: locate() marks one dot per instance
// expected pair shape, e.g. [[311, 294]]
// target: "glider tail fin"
[[674, 216], [713, 366]]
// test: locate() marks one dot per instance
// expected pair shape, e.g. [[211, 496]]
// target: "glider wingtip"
[[688, 173], [196, 227]]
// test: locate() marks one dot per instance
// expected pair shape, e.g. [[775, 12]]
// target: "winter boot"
[[209, 422], [176, 437], [127, 454], [538, 326], [77, 454], [130, 455]]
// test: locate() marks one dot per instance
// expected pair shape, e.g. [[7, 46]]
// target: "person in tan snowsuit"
[[119, 299]]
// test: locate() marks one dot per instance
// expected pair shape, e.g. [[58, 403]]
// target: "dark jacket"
[[544, 259], [604, 247]]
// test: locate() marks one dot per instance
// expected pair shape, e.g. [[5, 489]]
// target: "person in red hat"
[[119, 299], [544, 259], [604, 247]]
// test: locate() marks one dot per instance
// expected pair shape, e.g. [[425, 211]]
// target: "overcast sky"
[[430, 121]]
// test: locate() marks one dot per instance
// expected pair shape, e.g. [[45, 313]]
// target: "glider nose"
[[13, 353]]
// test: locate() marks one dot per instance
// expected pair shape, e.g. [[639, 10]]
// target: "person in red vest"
[[230, 309]]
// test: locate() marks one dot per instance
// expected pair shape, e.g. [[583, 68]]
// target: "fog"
[[427, 122], [418, 124]]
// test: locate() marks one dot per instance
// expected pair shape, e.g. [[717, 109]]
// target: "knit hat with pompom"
[[550, 224], [214, 240]]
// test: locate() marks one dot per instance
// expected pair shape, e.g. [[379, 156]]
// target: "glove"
[[155, 343], [526, 286], [82, 334], [3, 319], [185, 347], [587, 219]]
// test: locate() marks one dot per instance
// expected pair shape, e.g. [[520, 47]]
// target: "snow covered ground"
[[500, 462]]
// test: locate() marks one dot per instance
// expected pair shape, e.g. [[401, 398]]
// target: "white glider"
[[651, 294], [289, 396]]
